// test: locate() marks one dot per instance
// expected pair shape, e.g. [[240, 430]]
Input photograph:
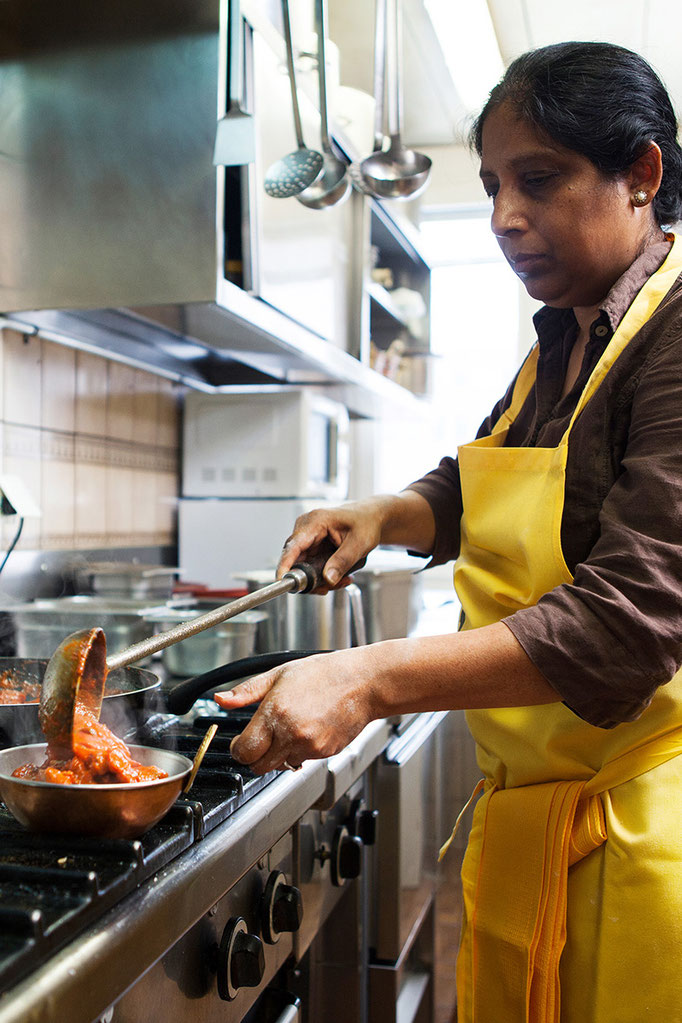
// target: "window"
[[474, 320]]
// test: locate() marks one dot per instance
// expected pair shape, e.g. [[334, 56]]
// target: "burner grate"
[[52, 887]]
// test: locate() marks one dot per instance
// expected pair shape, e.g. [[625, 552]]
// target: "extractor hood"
[[118, 232]]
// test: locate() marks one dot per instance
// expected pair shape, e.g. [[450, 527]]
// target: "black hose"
[[13, 544], [182, 696]]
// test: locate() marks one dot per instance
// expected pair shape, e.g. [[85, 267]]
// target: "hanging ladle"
[[396, 172], [333, 185], [76, 672], [355, 169], [297, 171]]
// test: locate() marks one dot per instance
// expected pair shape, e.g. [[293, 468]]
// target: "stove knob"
[[281, 908], [241, 959], [366, 827], [346, 857], [363, 822]]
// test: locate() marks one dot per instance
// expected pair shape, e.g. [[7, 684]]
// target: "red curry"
[[14, 690], [99, 757]]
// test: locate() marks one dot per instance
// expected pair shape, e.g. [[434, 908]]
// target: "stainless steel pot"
[[122, 580], [228, 641], [391, 599], [41, 625], [302, 621]]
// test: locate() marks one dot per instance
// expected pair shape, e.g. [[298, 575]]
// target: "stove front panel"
[[186, 984]]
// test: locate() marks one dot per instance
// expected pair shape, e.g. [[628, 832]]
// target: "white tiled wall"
[[94, 441]]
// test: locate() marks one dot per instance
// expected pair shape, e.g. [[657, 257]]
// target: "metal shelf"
[[240, 341]]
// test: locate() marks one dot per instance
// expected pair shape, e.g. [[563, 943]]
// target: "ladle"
[[76, 672], [396, 172], [355, 169], [297, 171], [333, 185]]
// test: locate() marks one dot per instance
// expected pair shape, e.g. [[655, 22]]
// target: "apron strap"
[[641, 310], [446, 845], [525, 381]]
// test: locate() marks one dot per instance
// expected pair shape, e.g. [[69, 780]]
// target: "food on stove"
[[17, 690], [99, 757]]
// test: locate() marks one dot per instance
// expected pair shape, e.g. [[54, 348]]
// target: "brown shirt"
[[607, 640]]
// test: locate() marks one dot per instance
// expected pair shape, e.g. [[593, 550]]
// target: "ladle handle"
[[398, 34], [379, 74], [321, 29], [302, 578], [316, 559], [393, 72], [235, 50], [292, 73], [161, 640]]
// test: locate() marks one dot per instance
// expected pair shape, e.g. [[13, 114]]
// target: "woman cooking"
[[565, 519]]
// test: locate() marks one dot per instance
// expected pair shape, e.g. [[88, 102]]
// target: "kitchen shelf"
[[394, 251], [382, 296]]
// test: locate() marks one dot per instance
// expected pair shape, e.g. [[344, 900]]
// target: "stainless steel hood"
[[108, 116], [118, 233]]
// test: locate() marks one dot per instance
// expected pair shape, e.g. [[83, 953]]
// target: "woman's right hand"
[[353, 528]]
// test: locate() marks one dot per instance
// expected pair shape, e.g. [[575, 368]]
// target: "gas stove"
[[65, 892], [84, 921], [52, 888]]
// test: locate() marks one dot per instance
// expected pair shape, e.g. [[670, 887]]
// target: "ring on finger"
[[292, 767]]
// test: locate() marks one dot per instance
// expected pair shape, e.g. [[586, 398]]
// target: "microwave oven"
[[288, 443]]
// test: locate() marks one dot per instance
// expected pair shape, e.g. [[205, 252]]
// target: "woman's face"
[[567, 231]]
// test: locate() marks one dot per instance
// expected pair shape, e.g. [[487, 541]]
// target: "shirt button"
[[601, 330]]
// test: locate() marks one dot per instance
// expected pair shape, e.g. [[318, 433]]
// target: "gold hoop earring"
[[640, 198]]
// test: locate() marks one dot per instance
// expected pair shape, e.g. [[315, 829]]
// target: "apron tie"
[[446, 845], [531, 837]]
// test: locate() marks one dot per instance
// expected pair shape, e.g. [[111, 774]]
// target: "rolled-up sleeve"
[[443, 490], [607, 640]]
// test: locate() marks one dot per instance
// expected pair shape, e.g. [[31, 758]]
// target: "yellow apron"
[[600, 942]]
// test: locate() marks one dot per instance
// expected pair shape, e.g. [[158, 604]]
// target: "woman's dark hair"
[[600, 100]]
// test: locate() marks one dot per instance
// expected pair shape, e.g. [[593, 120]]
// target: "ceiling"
[[433, 113], [651, 27]]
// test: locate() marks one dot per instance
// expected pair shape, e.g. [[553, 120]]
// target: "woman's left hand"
[[309, 709]]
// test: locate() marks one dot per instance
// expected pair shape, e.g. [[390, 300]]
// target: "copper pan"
[[100, 811]]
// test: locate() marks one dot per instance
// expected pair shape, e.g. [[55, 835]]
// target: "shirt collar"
[[619, 298]]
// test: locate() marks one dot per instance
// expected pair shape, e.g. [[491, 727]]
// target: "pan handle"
[[182, 696]]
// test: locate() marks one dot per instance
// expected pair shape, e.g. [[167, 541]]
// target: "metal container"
[[229, 641], [126, 580], [391, 600], [302, 621], [42, 624]]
